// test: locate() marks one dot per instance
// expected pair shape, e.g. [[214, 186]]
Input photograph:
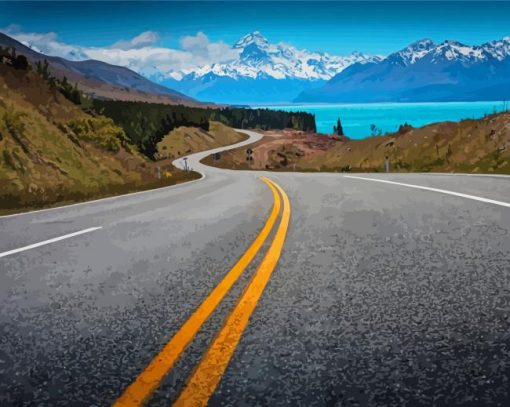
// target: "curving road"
[[390, 289]]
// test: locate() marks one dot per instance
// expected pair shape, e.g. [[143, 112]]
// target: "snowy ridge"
[[258, 58], [423, 72], [413, 52], [452, 51]]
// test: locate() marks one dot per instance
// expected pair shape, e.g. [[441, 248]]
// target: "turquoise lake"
[[357, 118]]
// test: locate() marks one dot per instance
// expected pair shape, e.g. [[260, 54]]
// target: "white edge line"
[[45, 242], [465, 174], [442, 191], [182, 184], [108, 198]]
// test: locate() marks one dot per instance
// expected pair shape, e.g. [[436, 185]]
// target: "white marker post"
[[249, 156]]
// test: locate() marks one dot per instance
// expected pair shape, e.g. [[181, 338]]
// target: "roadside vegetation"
[[59, 145], [52, 152], [478, 146]]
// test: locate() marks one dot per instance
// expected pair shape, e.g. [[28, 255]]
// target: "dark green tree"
[[42, 68], [337, 128], [20, 62], [374, 130]]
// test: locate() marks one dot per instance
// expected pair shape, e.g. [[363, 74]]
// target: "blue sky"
[[335, 27]]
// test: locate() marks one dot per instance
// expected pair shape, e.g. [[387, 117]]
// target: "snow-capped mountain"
[[412, 53], [262, 72], [424, 71], [259, 58]]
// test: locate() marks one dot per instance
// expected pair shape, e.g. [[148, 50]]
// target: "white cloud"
[[147, 38], [207, 52], [46, 43], [195, 42], [140, 53]]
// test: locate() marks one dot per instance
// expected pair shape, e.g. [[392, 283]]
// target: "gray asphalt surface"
[[383, 295]]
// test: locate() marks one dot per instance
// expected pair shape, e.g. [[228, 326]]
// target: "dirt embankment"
[[479, 146]]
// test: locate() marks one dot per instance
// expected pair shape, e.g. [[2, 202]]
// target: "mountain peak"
[[421, 44], [252, 38], [258, 58], [412, 52], [451, 50], [453, 43]]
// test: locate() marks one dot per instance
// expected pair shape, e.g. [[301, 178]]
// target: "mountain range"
[[262, 72], [423, 72], [100, 79]]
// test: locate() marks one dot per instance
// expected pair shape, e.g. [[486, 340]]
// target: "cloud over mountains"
[[140, 53]]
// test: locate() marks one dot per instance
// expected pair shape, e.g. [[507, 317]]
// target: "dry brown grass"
[[187, 140], [52, 152], [480, 146]]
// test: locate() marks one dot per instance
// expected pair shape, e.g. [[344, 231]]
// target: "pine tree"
[[337, 129]]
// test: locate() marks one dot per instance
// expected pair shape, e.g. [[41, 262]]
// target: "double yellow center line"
[[207, 375]]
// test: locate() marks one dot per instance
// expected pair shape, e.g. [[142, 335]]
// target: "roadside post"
[[387, 164], [159, 172], [249, 156]]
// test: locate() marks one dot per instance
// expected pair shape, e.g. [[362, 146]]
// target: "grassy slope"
[[187, 140], [481, 146], [47, 158]]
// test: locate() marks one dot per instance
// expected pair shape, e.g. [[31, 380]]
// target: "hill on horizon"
[[102, 80]]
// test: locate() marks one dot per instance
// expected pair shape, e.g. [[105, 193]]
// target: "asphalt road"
[[384, 294]]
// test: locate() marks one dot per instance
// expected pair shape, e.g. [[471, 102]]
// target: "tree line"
[[147, 123]]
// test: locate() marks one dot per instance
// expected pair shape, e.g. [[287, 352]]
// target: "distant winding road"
[[259, 288]]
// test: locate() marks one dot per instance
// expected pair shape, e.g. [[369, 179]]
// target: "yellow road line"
[[211, 368], [144, 385]]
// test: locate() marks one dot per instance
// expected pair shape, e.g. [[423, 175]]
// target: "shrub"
[[12, 119], [20, 62], [13, 160], [100, 131]]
